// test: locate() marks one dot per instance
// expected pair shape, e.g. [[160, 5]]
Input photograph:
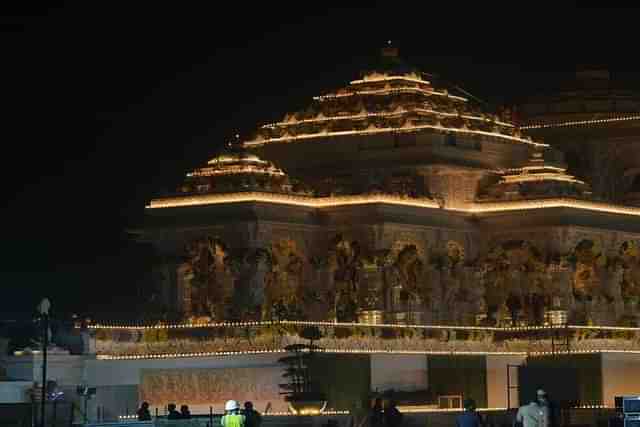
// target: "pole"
[[45, 344]]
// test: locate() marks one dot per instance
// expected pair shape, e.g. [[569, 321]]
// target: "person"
[[375, 415], [143, 412], [251, 416], [232, 416], [470, 417], [536, 413], [185, 414], [392, 416], [172, 413]]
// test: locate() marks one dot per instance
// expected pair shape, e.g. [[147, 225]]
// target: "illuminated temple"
[[433, 244], [394, 201]]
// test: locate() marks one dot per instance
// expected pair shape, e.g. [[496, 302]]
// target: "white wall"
[[407, 372], [497, 380], [127, 372], [620, 376], [14, 391], [67, 370]]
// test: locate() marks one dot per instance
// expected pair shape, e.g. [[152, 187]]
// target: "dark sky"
[[106, 105]]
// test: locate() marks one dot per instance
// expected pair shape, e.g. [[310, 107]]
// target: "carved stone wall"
[[398, 273]]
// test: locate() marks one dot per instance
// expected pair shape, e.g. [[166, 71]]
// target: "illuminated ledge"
[[580, 122], [324, 350], [287, 199], [384, 114], [326, 202], [388, 92], [363, 325], [341, 325], [390, 130]]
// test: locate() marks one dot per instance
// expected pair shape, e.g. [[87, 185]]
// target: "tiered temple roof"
[[236, 170], [535, 180], [388, 100]]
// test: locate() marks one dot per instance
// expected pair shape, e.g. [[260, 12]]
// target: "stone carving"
[[345, 262], [283, 282], [209, 289], [407, 290], [516, 283], [589, 261], [630, 284]]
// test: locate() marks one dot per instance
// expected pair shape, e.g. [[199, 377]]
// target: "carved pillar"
[[371, 289]]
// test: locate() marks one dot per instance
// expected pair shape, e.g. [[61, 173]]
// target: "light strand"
[[580, 122], [336, 201], [388, 130]]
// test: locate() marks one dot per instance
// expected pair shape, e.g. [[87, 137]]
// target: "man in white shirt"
[[536, 413]]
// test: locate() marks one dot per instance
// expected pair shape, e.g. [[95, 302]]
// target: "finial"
[[390, 51]]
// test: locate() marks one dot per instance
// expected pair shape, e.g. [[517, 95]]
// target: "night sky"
[[107, 106]]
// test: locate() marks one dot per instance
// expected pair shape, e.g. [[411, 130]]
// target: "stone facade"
[[397, 203]]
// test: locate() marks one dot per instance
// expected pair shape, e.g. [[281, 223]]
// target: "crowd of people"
[[233, 417], [538, 413]]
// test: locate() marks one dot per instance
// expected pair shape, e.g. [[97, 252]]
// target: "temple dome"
[[236, 170]]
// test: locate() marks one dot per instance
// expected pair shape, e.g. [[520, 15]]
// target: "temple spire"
[[389, 50]]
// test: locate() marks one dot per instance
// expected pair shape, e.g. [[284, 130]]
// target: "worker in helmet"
[[232, 416]]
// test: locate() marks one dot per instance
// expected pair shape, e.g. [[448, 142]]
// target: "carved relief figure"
[[516, 283], [406, 288], [588, 259], [630, 257], [283, 281], [345, 263], [206, 259]]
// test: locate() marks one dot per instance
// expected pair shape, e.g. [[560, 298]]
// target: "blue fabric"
[[468, 419]]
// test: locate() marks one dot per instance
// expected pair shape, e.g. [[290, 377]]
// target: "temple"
[[394, 201], [424, 245]]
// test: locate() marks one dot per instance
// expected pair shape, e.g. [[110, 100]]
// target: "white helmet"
[[231, 405]]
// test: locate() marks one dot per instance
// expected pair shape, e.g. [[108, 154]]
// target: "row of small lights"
[[387, 79], [335, 201], [392, 114], [581, 122], [388, 92], [367, 351], [323, 350], [365, 325], [566, 352], [265, 414], [345, 324], [414, 128]]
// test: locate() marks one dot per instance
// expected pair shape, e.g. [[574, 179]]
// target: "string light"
[[147, 356], [332, 324], [389, 79], [335, 201], [391, 129], [580, 122], [412, 90], [386, 115]]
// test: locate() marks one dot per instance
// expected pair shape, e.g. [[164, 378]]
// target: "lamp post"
[[43, 309]]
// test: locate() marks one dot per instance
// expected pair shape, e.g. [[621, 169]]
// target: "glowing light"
[[388, 79], [387, 114], [541, 177], [412, 90], [581, 122], [320, 202], [236, 170], [387, 130], [335, 201]]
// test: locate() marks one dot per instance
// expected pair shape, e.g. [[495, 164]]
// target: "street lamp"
[[43, 309]]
